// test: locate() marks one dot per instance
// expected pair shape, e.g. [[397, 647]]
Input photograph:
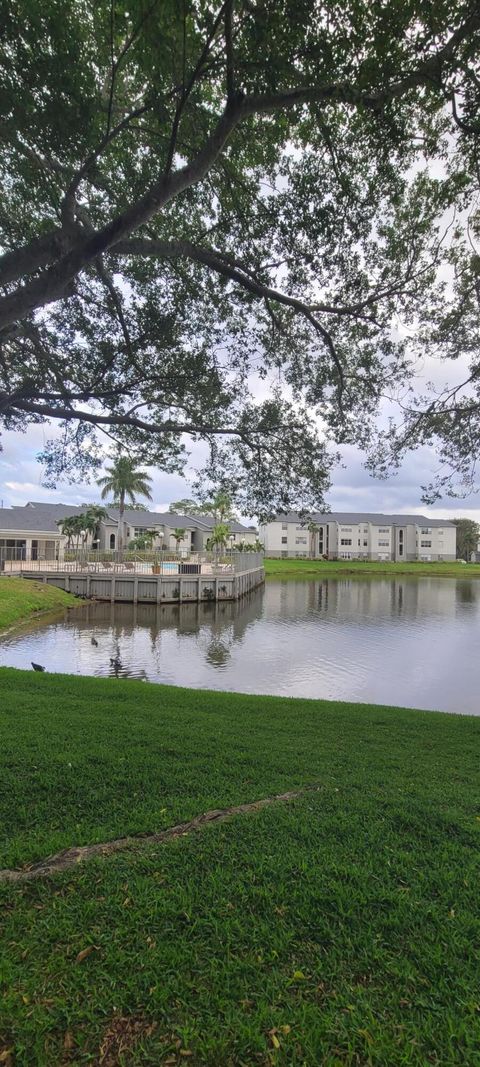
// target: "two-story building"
[[360, 535], [34, 531], [197, 530]]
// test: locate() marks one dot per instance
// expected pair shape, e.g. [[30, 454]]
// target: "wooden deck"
[[147, 588]]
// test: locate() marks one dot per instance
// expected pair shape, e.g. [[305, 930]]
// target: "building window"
[[425, 544], [112, 540], [384, 544], [425, 529], [284, 525], [300, 540], [345, 541], [346, 529], [284, 540], [365, 544], [384, 529]]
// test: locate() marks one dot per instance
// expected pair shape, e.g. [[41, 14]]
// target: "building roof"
[[376, 518], [31, 519], [207, 522], [146, 519], [39, 515]]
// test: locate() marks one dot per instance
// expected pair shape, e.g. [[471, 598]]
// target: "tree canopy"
[[214, 216], [468, 537]]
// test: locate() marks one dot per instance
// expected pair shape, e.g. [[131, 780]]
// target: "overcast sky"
[[353, 489]]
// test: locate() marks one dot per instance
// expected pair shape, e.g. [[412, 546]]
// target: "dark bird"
[[94, 642], [38, 666], [117, 663]]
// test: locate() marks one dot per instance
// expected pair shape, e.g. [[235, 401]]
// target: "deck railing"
[[135, 563]]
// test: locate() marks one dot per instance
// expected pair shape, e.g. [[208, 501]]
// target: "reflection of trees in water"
[[217, 626], [218, 651], [224, 624], [465, 592]]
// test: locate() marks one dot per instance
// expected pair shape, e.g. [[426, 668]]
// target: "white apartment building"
[[360, 535]]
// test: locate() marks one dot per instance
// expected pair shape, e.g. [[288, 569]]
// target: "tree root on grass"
[[71, 857]]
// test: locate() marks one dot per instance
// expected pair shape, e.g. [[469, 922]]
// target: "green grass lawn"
[[297, 568], [341, 928], [21, 599]]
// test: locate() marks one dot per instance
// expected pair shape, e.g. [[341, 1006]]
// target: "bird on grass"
[[94, 642], [38, 666]]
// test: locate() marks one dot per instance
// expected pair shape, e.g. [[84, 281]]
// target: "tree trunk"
[[121, 511]]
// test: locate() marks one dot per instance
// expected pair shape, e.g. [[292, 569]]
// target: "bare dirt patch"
[[120, 1038]]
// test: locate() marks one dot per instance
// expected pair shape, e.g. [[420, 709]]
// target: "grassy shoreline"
[[337, 929], [22, 600], [299, 568]]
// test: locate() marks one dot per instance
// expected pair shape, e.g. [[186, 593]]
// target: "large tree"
[[468, 537], [212, 215]]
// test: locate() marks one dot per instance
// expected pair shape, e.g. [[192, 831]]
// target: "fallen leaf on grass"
[[6, 1056], [69, 1040], [86, 952]]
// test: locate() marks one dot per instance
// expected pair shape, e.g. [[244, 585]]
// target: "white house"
[[360, 535]]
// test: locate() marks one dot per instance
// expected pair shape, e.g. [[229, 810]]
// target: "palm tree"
[[73, 526], [219, 535], [91, 519], [178, 534], [68, 527], [143, 542], [221, 507], [124, 481]]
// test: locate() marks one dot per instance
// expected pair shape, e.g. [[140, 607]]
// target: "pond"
[[405, 641]]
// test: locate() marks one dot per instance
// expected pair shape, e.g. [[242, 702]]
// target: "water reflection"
[[396, 641]]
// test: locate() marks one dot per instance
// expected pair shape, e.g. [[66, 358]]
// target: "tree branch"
[[51, 285], [16, 402], [229, 62], [187, 89]]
